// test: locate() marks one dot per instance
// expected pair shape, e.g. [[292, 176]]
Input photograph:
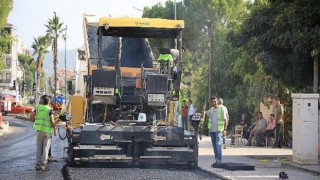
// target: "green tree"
[[5, 38], [283, 42], [201, 19], [29, 68], [40, 46], [5, 42], [5, 8], [54, 30]]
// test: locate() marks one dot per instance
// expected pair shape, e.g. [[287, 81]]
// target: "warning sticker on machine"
[[105, 137], [159, 138]]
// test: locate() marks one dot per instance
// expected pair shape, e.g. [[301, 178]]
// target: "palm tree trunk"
[[39, 61], [55, 66]]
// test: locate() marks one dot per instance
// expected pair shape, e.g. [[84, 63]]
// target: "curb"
[[213, 173], [299, 167]]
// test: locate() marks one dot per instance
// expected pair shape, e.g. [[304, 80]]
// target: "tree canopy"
[[282, 35], [54, 30], [5, 9], [262, 49], [5, 38]]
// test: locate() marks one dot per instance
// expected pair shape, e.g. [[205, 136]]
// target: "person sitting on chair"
[[268, 132], [261, 124], [243, 123]]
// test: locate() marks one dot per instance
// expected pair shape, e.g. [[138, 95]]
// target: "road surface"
[[17, 161]]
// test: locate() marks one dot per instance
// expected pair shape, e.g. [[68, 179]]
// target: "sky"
[[29, 16]]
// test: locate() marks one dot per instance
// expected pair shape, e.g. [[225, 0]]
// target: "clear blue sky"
[[29, 16]]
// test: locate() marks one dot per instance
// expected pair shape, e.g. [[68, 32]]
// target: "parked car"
[[16, 108]]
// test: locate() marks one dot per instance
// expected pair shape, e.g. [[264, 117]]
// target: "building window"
[[8, 76], [8, 61], [9, 49], [1, 76]]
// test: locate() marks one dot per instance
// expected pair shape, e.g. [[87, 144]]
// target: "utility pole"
[[175, 17], [24, 92], [316, 70], [65, 64], [211, 34]]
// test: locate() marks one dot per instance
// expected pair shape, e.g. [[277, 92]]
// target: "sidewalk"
[[268, 162]]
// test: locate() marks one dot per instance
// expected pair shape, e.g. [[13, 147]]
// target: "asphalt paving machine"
[[127, 112]]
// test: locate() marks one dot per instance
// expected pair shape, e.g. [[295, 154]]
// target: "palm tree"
[[40, 46], [54, 30]]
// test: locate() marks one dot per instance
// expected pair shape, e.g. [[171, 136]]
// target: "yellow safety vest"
[[165, 57], [220, 119], [42, 120]]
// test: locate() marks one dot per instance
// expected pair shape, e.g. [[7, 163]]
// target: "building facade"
[[13, 71]]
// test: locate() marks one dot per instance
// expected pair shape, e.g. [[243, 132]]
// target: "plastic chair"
[[272, 136], [238, 135]]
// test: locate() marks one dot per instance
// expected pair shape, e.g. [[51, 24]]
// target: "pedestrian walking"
[[43, 124], [217, 126], [184, 115], [191, 110]]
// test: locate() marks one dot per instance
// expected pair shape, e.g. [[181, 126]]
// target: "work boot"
[[51, 159], [38, 168], [43, 167], [224, 146], [248, 144]]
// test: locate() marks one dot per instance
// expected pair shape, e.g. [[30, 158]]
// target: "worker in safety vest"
[[165, 56], [220, 103], [217, 126], [43, 124]]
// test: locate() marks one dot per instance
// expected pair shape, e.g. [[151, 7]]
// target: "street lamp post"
[[65, 64], [24, 92], [16, 53], [175, 17]]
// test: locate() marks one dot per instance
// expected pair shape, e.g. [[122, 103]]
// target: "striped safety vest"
[[220, 119], [42, 120]]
